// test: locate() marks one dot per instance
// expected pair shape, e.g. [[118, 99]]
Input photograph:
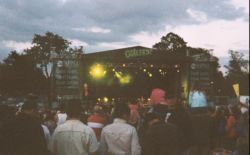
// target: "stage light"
[[118, 75], [113, 70], [97, 71], [160, 70], [144, 70], [150, 74], [124, 65], [176, 66], [151, 65], [123, 79], [105, 99], [178, 71], [99, 99]]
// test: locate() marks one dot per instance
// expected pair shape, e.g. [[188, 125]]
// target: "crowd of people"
[[165, 127]]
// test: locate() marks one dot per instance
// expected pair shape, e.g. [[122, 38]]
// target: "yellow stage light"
[[97, 71], [105, 99], [123, 79]]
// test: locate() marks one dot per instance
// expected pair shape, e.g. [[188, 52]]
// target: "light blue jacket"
[[197, 99]]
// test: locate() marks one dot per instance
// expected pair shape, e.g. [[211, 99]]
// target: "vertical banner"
[[237, 89]]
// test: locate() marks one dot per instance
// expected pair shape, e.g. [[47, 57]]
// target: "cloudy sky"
[[108, 24]]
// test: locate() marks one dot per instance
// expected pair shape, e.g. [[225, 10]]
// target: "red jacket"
[[96, 122], [231, 127]]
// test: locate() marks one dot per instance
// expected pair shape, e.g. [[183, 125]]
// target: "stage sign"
[[137, 53]]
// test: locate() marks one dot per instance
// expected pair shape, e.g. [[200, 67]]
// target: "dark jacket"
[[22, 136], [181, 119], [161, 139]]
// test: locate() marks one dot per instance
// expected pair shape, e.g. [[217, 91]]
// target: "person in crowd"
[[50, 122], [202, 135], [46, 133], [134, 114], [218, 127], [97, 121], [172, 111], [23, 135], [242, 133], [197, 98], [61, 115], [120, 137], [161, 138], [231, 128], [73, 137]]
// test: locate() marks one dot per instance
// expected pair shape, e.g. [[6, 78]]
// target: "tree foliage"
[[28, 72], [170, 43], [19, 75], [45, 47], [238, 71]]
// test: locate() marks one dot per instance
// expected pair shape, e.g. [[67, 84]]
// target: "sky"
[[98, 25]]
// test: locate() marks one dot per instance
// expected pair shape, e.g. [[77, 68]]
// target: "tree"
[[45, 46], [238, 71], [170, 43], [19, 75]]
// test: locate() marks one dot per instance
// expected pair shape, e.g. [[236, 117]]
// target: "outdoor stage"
[[134, 72]]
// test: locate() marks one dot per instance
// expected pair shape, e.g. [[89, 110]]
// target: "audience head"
[[157, 96], [152, 118], [121, 110], [30, 107], [74, 109]]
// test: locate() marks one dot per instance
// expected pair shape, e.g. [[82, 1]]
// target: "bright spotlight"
[[97, 71], [105, 99], [118, 75], [123, 79]]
